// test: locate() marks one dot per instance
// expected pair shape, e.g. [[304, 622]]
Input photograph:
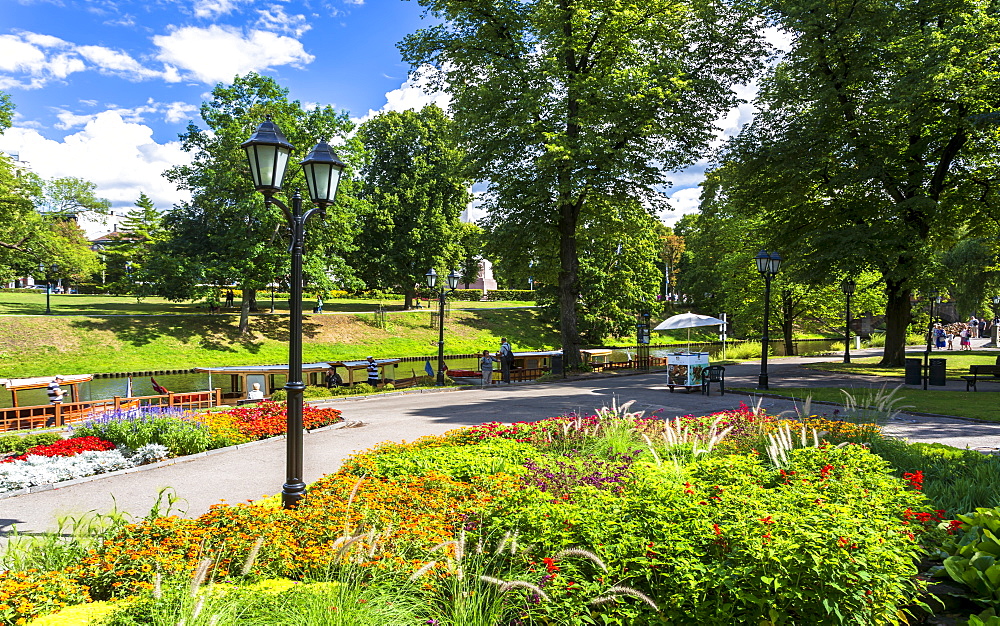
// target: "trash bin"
[[911, 372], [938, 374], [557, 364]]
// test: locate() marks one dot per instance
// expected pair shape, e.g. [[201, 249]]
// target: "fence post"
[[118, 403], [170, 399], [59, 415], [218, 396]]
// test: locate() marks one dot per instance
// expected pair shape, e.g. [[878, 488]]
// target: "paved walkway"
[[258, 470]]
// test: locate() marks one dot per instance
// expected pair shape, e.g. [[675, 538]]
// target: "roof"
[[355, 365], [539, 353], [17, 384], [260, 369], [593, 351]]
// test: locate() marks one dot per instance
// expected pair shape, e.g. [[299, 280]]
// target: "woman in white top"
[[486, 365]]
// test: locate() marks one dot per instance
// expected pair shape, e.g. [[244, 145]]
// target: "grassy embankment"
[[42, 345]]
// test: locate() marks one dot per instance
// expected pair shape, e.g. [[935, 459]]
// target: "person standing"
[[486, 365], [973, 327], [506, 360], [333, 379], [55, 398], [966, 344], [373, 378], [230, 296]]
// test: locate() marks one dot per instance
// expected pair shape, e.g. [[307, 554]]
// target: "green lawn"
[[44, 345], [984, 405], [957, 363], [63, 304]]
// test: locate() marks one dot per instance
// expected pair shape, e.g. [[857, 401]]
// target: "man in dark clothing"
[[373, 378], [333, 379], [506, 360], [230, 296]]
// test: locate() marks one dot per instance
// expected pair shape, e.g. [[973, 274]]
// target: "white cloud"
[[219, 53], [275, 19], [415, 93], [172, 112], [32, 60], [683, 202], [210, 9], [120, 157]]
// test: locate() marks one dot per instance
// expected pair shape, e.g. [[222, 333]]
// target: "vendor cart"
[[684, 369]]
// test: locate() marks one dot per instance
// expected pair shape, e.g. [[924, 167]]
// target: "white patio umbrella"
[[688, 320]]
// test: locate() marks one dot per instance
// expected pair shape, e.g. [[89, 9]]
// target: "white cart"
[[684, 369]]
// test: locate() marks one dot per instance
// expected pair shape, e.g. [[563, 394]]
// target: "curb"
[[158, 464]]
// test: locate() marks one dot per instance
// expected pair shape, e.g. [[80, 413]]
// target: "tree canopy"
[[876, 139], [561, 103]]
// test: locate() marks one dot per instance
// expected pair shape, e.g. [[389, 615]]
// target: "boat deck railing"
[[66, 413]]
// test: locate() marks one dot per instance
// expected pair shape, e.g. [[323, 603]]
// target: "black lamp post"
[[452, 285], [48, 287], [768, 265], [268, 152], [932, 297], [848, 288]]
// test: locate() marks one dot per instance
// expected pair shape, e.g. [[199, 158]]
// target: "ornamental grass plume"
[[580, 552], [199, 575], [618, 591], [423, 570], [252, 556]]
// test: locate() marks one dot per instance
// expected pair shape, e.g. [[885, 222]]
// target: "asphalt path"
[[257, 470]]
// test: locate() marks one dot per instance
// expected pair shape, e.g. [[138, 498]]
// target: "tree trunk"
[[245, 311], [897, 322], [408, 296], [787, 321], [252, 295]]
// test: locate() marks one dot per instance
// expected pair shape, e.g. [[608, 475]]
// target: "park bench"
[[977, 372]]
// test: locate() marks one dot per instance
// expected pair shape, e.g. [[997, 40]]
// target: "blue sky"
[[104, 87]]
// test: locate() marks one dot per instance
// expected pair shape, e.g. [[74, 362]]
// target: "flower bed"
[[124, 439], [613, 518]]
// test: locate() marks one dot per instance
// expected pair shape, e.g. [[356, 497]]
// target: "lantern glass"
[[775, 263], [848, 286], [322, 169], [267, 152], [432, 278], [763, 260], [453, 279]]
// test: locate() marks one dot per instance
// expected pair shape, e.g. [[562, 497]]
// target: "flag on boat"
[[157, 387], [128, 388], [428, 368]]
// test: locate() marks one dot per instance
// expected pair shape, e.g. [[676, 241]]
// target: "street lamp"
[[268, 152], [932, 296], [452, 285], [848, 288], [768, 265], [48, 287]]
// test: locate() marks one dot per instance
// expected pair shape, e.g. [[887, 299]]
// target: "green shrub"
[[973, 554], [462, 462], [310, 392], [956, 480], [745, 350], [748, 545], [20, 445], [132, 431]]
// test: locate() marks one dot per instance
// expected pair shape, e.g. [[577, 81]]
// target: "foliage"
[[133, 429], [599, 100], [973, 553], [862, 157], [127, 255], [414, 191], [226, 234], [461, 462], [20, 444]]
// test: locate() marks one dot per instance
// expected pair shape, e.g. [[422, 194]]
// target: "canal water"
[[101, 388]]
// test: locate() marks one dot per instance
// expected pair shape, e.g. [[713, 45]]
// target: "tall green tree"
[[876, 138], [414, 191], [127, 256], [23, 232], [70, 196], [471, 242], [225, 234], [561, 102]]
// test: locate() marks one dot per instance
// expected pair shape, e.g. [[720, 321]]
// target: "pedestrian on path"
[[373, 378], [486, 365], [230, 296], [973, 327], [506, 360], [938, 333], [966, 343]]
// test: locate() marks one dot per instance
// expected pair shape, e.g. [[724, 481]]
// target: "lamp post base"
[[762, 382], [292, 493]]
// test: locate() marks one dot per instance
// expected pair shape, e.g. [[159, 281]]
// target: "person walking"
[[373, 378], [486, 365], [938, 334], [506, 360], [966, 344], [230, 296], [973, 327]]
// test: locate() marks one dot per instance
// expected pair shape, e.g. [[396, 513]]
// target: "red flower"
[[766, 520], [550, 565], [825, 471], [66, 447], [916, 479]]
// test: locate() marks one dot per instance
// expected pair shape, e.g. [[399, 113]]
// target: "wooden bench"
[[977, 372]]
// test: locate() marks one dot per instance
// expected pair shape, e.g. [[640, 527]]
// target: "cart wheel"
[[671, 388]]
